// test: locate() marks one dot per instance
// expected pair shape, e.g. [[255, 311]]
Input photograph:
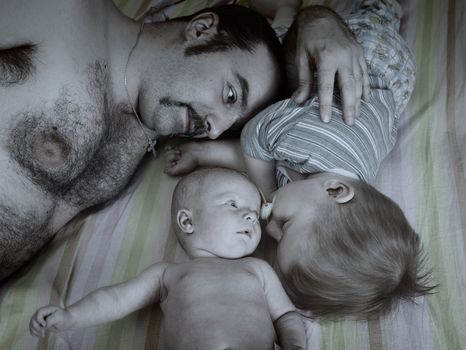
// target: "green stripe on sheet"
[[20, 298], [435, 218], [147, 225], [23, 296], [339, 335]]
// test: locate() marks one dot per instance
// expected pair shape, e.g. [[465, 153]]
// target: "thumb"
[[49, 316]]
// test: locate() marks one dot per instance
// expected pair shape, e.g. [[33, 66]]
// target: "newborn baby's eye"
[[232, 204]]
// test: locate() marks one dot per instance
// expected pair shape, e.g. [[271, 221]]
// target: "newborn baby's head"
[[215, 214]]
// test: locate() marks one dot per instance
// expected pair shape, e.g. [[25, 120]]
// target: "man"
[[85, 91], [69, 137]]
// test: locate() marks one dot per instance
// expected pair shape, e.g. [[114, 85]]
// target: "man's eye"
[[231, 96], [232, 204]]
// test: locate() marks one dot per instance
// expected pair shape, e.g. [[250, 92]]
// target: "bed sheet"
[[425, 174]]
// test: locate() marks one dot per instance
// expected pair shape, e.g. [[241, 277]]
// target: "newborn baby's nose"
[[251, 216]]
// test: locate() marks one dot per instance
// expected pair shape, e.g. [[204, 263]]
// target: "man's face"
[[225, 221], [209, 93]]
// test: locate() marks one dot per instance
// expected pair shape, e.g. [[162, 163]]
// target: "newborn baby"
[[220, 299]]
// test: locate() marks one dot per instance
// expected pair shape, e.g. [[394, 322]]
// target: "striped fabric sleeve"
[[295, 134], [257, 138]]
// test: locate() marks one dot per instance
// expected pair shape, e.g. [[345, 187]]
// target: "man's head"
[[215, 213], [345, 249], [227, 66]]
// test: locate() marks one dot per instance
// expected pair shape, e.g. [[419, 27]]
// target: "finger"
[[43, 313], [304, 79], [326, 80], [33, 326], [36, 329], [172, 157], [366, 89], [171, 169], [52, 320], [172, 150], [357, 73], [346, 84]]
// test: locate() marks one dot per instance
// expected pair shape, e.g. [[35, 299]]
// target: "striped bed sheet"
[[425, 174]]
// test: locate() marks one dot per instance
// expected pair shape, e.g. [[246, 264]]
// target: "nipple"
[[50, 150]]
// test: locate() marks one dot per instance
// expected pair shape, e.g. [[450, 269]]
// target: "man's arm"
[[102, 305], [288, 323], [319, 40]]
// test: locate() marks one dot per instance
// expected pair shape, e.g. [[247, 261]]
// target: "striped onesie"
[[294, 133]]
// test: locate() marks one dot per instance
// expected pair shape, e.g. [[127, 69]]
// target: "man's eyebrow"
[[244, 90]]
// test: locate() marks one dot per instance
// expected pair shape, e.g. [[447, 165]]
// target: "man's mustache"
[[198, 124]]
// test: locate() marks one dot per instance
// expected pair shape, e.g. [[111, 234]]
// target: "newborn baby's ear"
[[184, 220]]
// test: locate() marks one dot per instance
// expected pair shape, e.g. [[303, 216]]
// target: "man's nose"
[[217, 125]]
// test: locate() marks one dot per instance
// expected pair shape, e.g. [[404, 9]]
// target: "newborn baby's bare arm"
[[288, 323], [102, 305], [290, 331], [189, 156]]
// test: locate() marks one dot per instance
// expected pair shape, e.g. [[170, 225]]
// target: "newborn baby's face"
[[226, 220]]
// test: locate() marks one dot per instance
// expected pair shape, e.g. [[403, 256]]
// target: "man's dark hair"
[[243, 28]]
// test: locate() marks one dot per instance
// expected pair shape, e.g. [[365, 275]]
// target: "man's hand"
[[181, 159], [277, 9], [319, 41], [49, 318]]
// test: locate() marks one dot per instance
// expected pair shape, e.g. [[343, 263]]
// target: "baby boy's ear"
[[184, 220], [340, 190]]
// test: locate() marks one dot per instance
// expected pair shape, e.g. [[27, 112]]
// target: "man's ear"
[[184, 220], [340, 190], [202, 27]]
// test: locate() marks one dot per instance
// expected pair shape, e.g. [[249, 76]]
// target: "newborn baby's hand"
[[49, 318], [181, 159]]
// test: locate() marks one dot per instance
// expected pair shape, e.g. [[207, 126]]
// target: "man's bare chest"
[[75, 142]]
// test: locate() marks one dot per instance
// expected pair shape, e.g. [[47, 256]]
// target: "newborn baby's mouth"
[[189, 121], [245, 232]]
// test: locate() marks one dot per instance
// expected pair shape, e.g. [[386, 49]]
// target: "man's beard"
[[198, 124]]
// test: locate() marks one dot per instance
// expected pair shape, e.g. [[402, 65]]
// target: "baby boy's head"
[[344, 249], [215, 214]]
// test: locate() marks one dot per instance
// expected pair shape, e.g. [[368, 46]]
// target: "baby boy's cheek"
[[282, 258], [274, 230]]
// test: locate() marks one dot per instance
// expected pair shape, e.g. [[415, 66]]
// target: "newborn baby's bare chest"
[[216, 306], [213, 279]]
